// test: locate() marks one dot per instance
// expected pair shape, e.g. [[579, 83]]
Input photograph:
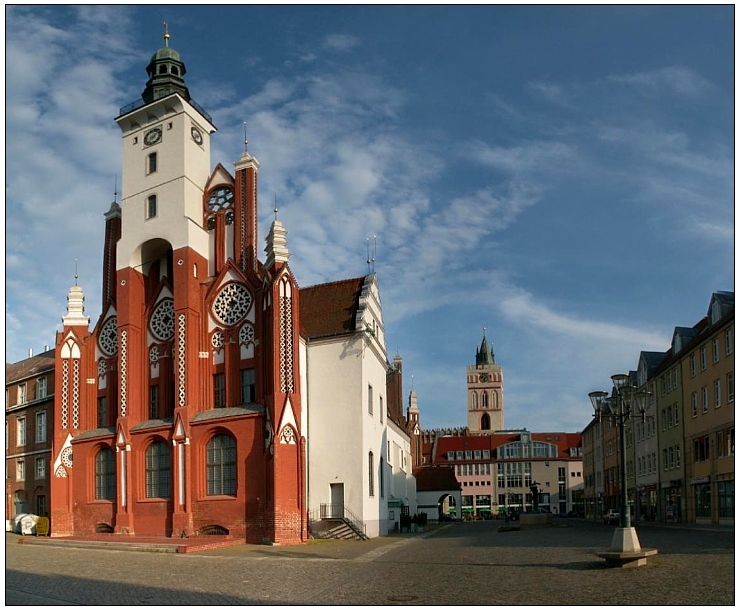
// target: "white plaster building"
[[357, 460]]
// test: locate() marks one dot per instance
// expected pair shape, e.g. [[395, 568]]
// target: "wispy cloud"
[[54, 132], [524, 310], [341, 42], [551, 92], [673, 79]]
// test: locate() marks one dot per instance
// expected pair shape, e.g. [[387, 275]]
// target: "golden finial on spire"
[[166, 35], [276, 208], [245, 137]]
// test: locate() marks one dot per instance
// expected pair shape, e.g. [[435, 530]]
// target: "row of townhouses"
[[680, 460]]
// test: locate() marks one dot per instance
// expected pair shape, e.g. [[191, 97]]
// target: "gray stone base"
[[627, 559], [535, 520]]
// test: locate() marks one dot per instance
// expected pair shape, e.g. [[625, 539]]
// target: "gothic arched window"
[[221, 466], [105, 475], [158, 470]]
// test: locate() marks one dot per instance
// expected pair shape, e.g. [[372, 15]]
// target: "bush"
[[422, 519]]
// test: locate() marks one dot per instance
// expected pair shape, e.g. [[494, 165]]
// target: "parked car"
[[611, 517]]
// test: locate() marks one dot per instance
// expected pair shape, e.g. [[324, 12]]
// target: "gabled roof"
[[652, 359], [436, 478], [329, 310], [29, 367]]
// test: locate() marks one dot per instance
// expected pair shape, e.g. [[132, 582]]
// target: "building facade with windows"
[[691, 413], [359, 444], [709, 416], [186, 408], [496, 472], [645, 438], [29, 417]]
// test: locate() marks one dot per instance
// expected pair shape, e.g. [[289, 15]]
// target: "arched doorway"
[[485, 422]]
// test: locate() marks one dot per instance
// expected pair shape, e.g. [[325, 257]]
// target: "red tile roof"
[[29, 367], [563, 440], [328, 310]]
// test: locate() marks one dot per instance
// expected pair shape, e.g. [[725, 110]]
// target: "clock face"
[[232, 304], [108, 339], [162, 323], [152, 136], [220, 199], [483, 377], [197, 136]]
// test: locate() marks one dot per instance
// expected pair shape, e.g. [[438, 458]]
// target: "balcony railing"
[[136, 104]]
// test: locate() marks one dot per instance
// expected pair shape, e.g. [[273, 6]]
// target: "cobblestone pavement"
[[457, 564]]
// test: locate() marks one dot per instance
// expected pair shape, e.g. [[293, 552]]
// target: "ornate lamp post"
[[626, 403]]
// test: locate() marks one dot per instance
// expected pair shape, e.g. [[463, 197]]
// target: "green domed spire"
[[166, 71]]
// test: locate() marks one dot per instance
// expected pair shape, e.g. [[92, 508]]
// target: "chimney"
[[30, 353]]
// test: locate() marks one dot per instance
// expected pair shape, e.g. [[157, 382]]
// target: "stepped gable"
[[329, 310]]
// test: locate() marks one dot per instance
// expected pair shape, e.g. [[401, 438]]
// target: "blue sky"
[[563, 176]]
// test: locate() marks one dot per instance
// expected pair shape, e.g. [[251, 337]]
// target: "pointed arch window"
[[474, 400], [485, 422], [484, 400], [158, 483], [221, 466], [105, 475]]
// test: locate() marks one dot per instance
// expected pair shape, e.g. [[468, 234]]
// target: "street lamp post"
[[626, 403]]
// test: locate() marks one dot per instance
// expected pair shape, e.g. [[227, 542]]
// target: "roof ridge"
[[344, 281]]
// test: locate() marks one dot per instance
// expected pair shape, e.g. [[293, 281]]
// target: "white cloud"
[[341, 42], [522, 309], [673, 79], [554, 93]]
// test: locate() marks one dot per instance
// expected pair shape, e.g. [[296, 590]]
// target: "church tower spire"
[[166, 71], [485, 382]]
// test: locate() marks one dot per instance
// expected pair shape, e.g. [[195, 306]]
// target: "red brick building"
[[179, 411]]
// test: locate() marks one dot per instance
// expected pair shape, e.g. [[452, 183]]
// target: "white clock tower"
[[485, 381]]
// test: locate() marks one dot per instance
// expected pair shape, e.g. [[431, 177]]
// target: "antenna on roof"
[[166, 35], [371, 260], [245, 137]]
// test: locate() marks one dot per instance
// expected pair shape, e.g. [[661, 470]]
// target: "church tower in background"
[[485, 382]]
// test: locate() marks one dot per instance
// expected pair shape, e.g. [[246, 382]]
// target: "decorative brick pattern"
[[76, 394], [286, 339], [181, 360], [65, 394], [124, 370]]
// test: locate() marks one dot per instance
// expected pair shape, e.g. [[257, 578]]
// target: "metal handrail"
[[340, 511]]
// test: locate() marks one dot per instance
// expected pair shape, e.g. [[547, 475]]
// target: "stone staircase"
[[340, 529]]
